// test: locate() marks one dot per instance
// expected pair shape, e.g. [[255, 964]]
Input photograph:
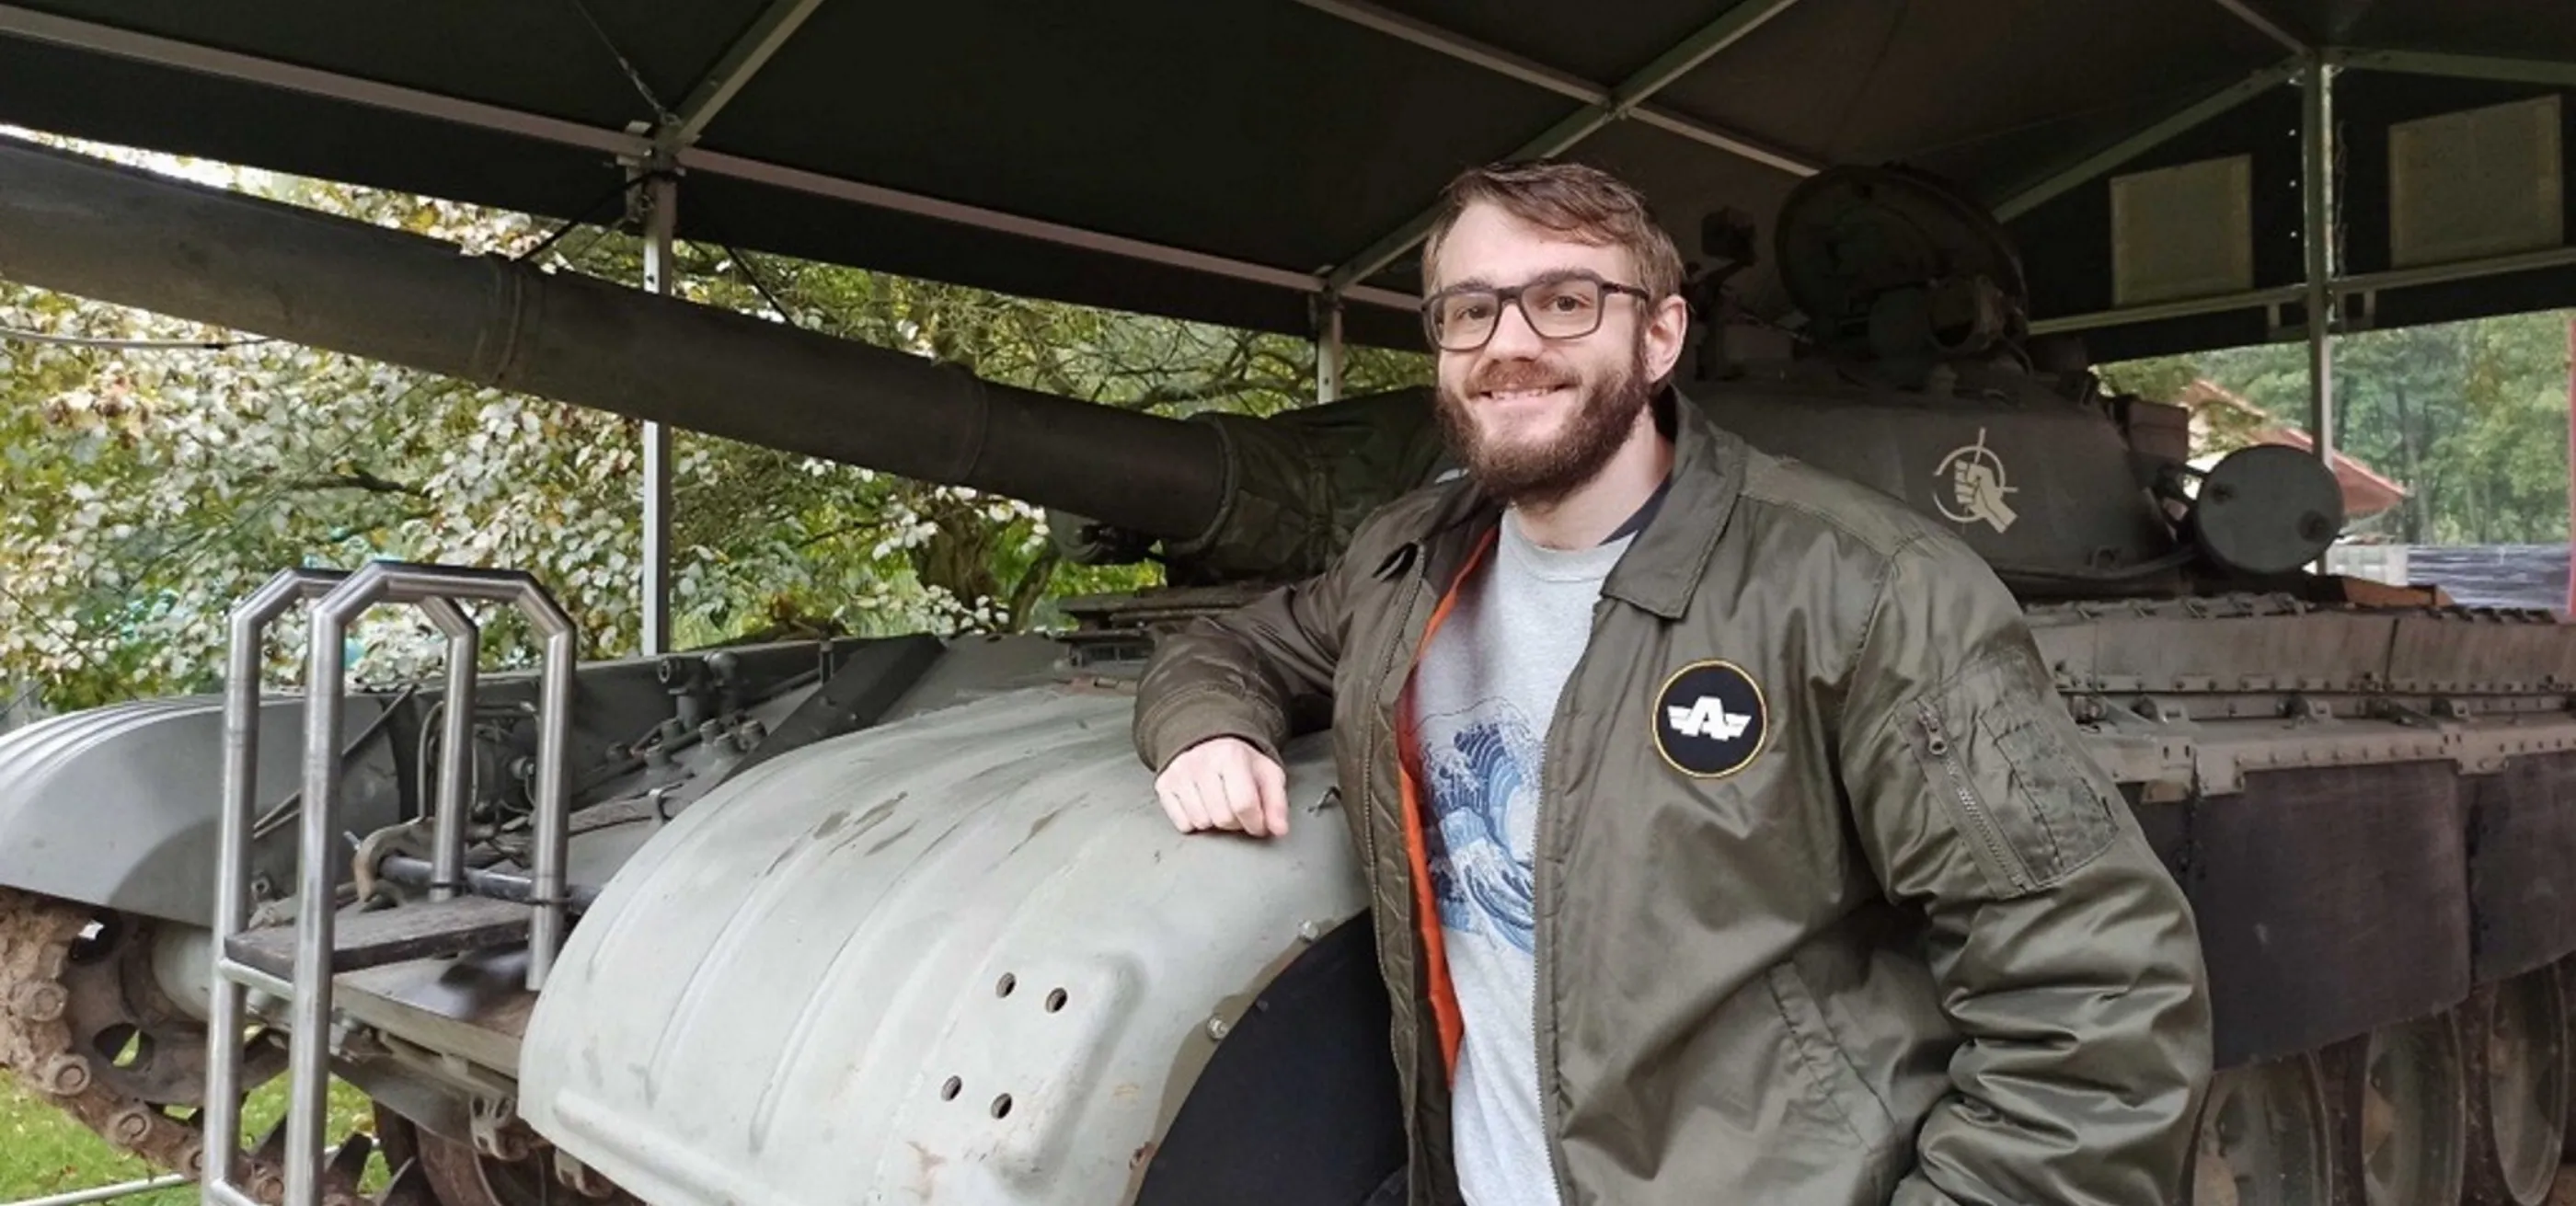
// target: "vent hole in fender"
[[1002, 1106], [949, 1091], [1055, 1001], [1008, 983]]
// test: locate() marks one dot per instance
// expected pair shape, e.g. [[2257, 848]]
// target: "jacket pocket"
[[2003, 759], [1822, 1058]]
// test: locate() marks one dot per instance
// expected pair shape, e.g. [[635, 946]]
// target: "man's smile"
[[1515, 395]]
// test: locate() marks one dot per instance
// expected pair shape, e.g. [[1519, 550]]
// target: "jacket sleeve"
[[1242, 674], [2064, 953]]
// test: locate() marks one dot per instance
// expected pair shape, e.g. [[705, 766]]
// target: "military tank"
[[896, 920]]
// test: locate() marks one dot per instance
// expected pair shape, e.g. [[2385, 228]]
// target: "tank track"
[[36, 940]]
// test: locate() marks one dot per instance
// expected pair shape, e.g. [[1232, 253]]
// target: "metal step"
[[399, 935]]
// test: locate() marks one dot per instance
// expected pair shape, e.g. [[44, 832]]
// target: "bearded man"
[[1725, 837]]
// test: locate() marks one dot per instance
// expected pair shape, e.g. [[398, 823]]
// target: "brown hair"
[[1580, 202]]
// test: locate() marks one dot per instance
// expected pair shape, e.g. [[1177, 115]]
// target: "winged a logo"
[[1707, 718]]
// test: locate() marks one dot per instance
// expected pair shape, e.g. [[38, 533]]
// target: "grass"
[[43, 1151]]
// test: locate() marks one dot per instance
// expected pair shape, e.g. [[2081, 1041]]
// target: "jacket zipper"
[[1542, 967], [1936, 742], [1386, 664]]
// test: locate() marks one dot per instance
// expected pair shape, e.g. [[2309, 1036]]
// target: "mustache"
[[1500, 375]]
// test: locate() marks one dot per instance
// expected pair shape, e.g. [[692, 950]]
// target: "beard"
[[1541, 473]]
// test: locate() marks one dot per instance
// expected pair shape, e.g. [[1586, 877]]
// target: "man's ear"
[[1666, 326]]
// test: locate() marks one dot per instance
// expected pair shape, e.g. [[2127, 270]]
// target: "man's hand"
[[1225, 783]]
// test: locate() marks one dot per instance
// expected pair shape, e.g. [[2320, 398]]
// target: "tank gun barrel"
[[122, 235]]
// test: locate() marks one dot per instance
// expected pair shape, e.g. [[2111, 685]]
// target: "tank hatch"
[[1891, 265]]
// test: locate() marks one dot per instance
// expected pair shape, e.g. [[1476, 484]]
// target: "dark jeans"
[[1388, 1193]]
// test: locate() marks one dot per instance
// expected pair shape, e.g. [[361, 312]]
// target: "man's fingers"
[[1170, 799], [1207, 801], [1272, 783], [1181, 802], [1242, 797]]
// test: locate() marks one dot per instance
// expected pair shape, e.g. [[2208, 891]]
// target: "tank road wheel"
[[2402, 1107], [86, 1029], [2517, 1045], [141, 1044], [2263, 1138], [452, 1173]]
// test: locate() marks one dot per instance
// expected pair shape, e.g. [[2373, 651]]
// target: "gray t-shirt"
[[1483, 697]]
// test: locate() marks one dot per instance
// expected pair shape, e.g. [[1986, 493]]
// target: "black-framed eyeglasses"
[[1560, 305]]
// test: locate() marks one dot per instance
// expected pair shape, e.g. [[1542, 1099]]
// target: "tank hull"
[[2370, 810]]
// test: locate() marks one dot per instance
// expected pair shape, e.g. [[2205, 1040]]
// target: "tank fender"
[[117, 806], [961, 957]]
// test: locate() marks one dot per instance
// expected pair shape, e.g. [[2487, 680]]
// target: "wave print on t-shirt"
[[1483, 771]]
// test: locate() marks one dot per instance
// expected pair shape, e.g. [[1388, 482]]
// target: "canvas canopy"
[[1264, 162]]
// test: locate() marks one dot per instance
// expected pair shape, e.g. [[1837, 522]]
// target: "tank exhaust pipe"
[[118, 234]]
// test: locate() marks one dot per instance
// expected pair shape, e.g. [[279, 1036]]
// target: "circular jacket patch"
[[1710, 719]]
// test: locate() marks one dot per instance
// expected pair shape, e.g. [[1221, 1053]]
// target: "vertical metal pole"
[[2571, 460], [456, 749], [316, 905], [224, 1006], [1328, 347], [2316, 187], [661, 220], [554, 812]]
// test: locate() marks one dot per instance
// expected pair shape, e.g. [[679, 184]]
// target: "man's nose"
[[1514, 337]]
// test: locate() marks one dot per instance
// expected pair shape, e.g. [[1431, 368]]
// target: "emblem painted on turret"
[[1710, 719], [1975, 476]]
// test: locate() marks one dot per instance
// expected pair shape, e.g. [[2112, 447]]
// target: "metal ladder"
[[338, 599]]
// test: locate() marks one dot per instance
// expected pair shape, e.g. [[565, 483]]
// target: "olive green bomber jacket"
[[1831, 905]]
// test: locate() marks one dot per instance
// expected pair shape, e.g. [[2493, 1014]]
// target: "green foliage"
[[44, 1152], [149, 490], [2162, 379], [2471, 417]]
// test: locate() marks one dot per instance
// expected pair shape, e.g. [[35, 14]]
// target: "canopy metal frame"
[[2331, 60], [1540, 75], [1618, 103], [658, 176], [2317, 240], [661, 202], [639, 144], [2093, 167], [743, 60], [2245, 11]]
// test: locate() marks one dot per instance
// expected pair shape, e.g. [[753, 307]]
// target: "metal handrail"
[[434, 589], [107, 1193], [224, 1007]]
